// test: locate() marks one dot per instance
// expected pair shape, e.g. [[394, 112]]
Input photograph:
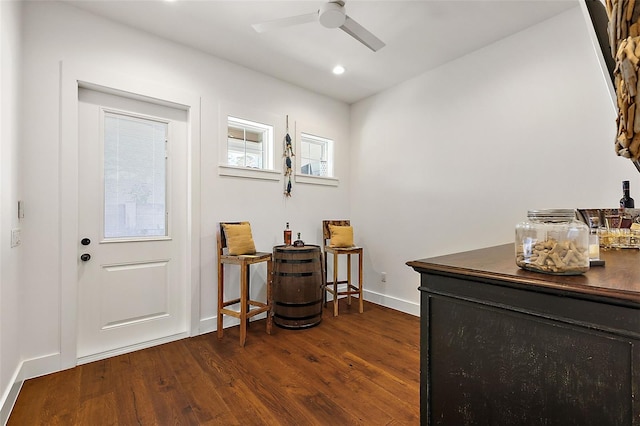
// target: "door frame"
[[73, 76]]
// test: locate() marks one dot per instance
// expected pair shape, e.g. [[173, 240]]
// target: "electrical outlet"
[[383, 277], [15, 237]]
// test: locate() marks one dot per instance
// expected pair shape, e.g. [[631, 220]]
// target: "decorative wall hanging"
[[288, 161], [624, 38]]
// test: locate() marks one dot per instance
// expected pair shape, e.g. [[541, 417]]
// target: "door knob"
[[85, 256], [85, 241]]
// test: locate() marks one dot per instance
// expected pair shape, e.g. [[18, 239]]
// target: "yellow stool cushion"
[[239, 239], [341, 236]]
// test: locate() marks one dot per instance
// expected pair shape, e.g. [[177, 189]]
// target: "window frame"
[[272, 149], [266, 145], [326, 145], [321, 134]]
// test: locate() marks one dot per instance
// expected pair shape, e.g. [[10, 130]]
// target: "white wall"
[[10, 39], [453, 159], [57, 32]]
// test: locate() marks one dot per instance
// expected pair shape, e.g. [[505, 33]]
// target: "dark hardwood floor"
[[351, 369]]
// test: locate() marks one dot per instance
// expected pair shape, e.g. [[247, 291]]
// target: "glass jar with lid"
[[553, 242]]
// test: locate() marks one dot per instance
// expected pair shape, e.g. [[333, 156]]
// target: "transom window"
[[316, 155], [249, 144]]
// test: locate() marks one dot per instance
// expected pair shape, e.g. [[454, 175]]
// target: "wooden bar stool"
[[338, 240], [236, 247]]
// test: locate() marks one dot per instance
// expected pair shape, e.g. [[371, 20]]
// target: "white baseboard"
[[27, 369], [207, 325], [36, 367], [10, 396], [401, 305]]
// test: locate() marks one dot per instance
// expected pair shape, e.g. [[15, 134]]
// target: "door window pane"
[[135, 177]]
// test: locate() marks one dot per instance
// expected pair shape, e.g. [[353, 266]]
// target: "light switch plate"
[[15, 237]]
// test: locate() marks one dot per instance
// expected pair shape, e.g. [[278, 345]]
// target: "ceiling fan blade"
[[361, 34], [285, 22]]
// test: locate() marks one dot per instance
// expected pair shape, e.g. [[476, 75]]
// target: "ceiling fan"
[[330, 15]]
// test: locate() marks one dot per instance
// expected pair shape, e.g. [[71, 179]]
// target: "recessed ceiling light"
[[338, 69]]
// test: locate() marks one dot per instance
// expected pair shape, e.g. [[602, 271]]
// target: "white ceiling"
[[419, 35]]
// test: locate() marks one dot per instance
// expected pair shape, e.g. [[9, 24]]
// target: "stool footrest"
[[351, 289], [251, 312], [231, 302], [354, 290]]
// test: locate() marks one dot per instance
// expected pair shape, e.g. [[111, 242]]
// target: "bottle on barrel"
[[626, 201], [287, 235]]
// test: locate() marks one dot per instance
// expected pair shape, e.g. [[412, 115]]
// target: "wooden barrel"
[[297, 286]]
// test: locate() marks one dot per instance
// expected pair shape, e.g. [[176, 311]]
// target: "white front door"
[[132, 171]]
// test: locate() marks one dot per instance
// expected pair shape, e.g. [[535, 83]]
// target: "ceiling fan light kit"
[[330, 15]]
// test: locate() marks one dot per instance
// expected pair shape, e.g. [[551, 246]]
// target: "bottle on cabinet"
[[626, 201], [287, 235]]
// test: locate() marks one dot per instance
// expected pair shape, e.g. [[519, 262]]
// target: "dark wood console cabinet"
[[504, 346]]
